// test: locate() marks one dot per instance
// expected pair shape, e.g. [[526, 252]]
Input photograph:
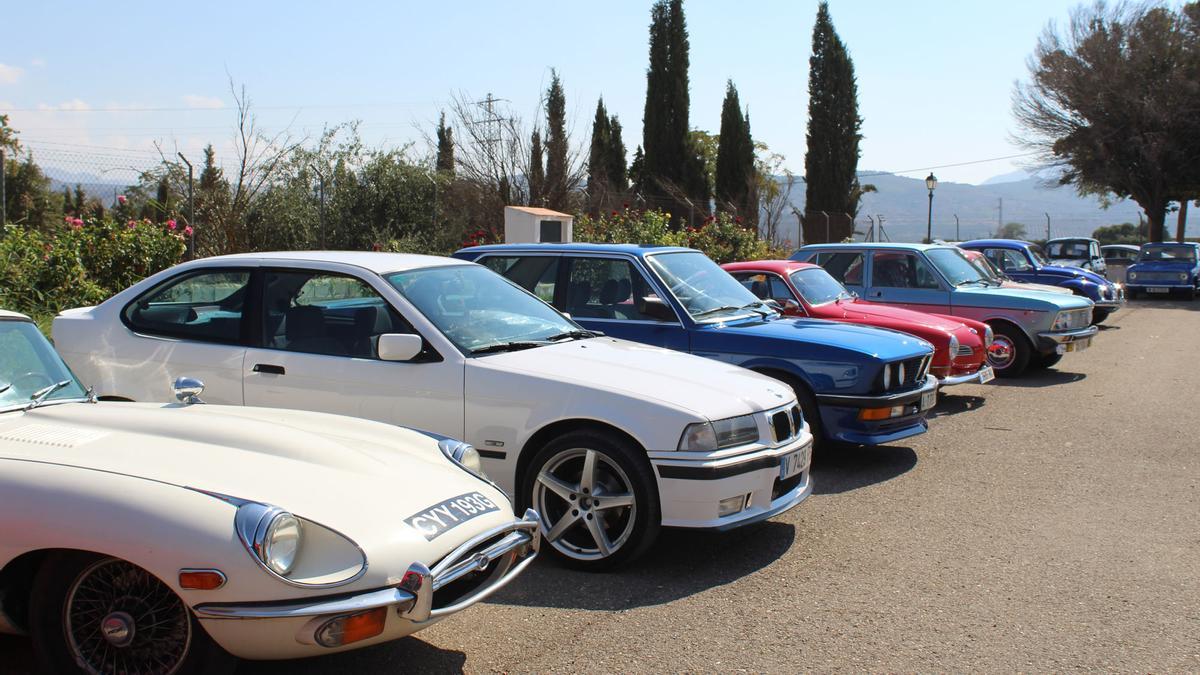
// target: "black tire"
[[1010, 351], [1045, 360], [69, 582], [620, 471]]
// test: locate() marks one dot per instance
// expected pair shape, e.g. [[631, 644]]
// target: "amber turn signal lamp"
[[201, 580], [344, 630]]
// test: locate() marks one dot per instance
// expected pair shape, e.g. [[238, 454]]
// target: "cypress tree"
[[672, 167], [598, 157], [834, 132], [537, 174], [68, 208], [736, 180], [637, 170], [556, 145], [445, 147], [616, 170]]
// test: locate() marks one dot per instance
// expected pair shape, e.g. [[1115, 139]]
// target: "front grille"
[[1157, 276], [964, 350], [902, 375], [452, 592], [786, 424]]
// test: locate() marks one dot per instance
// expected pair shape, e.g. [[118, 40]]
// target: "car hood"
[[326, 468], [701, 386], [861, 310], [1043, 288], [1016, 298], [793, 337], [1068, 272]]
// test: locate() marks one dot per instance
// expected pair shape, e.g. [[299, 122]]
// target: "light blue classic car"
[[1032, 328], [1164, 269]]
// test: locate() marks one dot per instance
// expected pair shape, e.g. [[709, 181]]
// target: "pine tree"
[[557, 185], [834, 132], [537, 174], [68, 207], [672, 167], [616, 170], [736, 180], [598, 161], [637, 171], [445, 147]]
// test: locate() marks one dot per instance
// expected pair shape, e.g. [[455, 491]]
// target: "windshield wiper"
[[732, 308], [575, 335], [512, 346], [42, 394], [964, 282], [5, 388]]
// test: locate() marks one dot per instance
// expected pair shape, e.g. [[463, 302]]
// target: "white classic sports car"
[[608, 440], [157, 538]]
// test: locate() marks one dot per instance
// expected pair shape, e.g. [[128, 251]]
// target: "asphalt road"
[[1047, 523]]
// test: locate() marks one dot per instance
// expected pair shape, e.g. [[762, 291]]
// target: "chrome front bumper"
[[977, 376], [1063, 337], [413, 596]]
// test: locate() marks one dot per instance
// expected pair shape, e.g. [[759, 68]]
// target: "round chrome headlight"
[[463, 454], [1133, 275], [282, 543], [1183, 276]]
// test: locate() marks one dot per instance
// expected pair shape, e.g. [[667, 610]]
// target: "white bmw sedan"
[[608, 440]]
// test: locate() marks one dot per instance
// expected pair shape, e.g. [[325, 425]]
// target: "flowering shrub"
[[722, 237], [82, 263]]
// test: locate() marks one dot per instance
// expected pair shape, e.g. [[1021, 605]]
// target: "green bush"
[[722, 237], [81, 263]]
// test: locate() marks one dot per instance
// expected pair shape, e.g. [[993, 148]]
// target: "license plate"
[[442, 517], [928, 400], [1079, 345], [986, 374], [793, 463], [1158, 289]]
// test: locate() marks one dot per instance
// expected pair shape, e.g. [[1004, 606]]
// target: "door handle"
[[876, 294], [268, 369]]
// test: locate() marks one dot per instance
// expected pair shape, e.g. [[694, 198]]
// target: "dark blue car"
[[1025, 262], [855, 384], [1165, 268]]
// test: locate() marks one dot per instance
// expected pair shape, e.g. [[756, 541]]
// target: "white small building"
[[533, 225]]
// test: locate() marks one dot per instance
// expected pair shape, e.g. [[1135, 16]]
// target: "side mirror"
[[187, 390], [399, 346], [655, 308], [789, 306]]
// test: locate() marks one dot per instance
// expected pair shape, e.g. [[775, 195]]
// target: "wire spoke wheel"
[[118, 618], [587, 503]]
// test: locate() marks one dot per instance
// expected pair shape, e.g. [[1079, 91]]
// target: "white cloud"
[[197, 101], [73, 104], [38, 62], [10, 74]]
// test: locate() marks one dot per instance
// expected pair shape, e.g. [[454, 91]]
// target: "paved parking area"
[[1048, 523]]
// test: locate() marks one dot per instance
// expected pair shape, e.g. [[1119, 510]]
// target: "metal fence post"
[[3, 196], [321, 188], [191, 252]]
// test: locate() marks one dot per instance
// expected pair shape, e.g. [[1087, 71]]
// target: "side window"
[[755, 282], [204, 306], [891, 269], [536, 274], [320, 313], [846, 267], [1015, 261], [605, 288], [780, 290]]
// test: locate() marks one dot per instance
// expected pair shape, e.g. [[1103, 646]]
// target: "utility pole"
[[321, 188], [191, 209], [956, 236], [1000, 218], [871, 234], [1047, 227]]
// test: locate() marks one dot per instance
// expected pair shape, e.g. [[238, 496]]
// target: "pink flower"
[[77, 222], [132, 224], [121, 199], [68, 220], [187, 230], [170, 224]]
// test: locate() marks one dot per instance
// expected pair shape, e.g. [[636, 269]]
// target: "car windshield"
[[987, 267], [1174, 253], [954, 266], [481, 311], [817, 287], [702, 287], [1067, 249], [1035, 252], [29, 367]]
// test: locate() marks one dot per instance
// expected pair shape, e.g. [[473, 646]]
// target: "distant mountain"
[[1010, 177], [903, 203]]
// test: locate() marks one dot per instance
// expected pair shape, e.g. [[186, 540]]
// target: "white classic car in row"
[[608, 440], [163, 538]]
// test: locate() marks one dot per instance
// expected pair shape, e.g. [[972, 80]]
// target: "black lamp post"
[[931, 183]]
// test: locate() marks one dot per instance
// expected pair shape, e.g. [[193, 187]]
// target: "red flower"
[[121, 199], [170, 224], [187, 230]]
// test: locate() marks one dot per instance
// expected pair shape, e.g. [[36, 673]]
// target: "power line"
[[948, 166], [222, 108]]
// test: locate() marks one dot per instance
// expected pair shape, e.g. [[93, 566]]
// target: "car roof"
[[1127, 247], [5, 314], [578, 247], [1171, 243], [1001, 243], [1072, 239], [879, 245], [379, 262], [781, 266]]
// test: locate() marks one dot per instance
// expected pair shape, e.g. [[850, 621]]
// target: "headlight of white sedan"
[[726, 433], [298, 551]]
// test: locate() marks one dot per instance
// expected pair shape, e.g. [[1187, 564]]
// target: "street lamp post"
[[931, 183]]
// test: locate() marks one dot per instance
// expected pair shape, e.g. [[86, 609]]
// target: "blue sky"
[[935, 78]]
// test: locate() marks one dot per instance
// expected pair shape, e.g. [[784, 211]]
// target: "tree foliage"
[[1125, 233], [1011, 231], [1113, 103], [834, 132], [445, 147], [607, 173], [538, 185], [736, 176], [559, 178]]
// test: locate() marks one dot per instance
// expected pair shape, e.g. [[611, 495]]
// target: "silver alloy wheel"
[[587, 503], [118, 618], [1002, 352]]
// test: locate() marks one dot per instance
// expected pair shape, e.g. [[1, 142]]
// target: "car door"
[[192, 325], [906, 279], [1098, 264], [609, 294], [316, 351]]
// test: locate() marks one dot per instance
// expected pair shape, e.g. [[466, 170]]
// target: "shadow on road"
[[951, 404], [681, 563], [1164, 303], [839, 469], [1105, 327], [1040, 378], [407, 655]]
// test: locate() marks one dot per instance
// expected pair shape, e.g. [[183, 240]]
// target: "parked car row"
[[1154, 268], [305, 489]]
